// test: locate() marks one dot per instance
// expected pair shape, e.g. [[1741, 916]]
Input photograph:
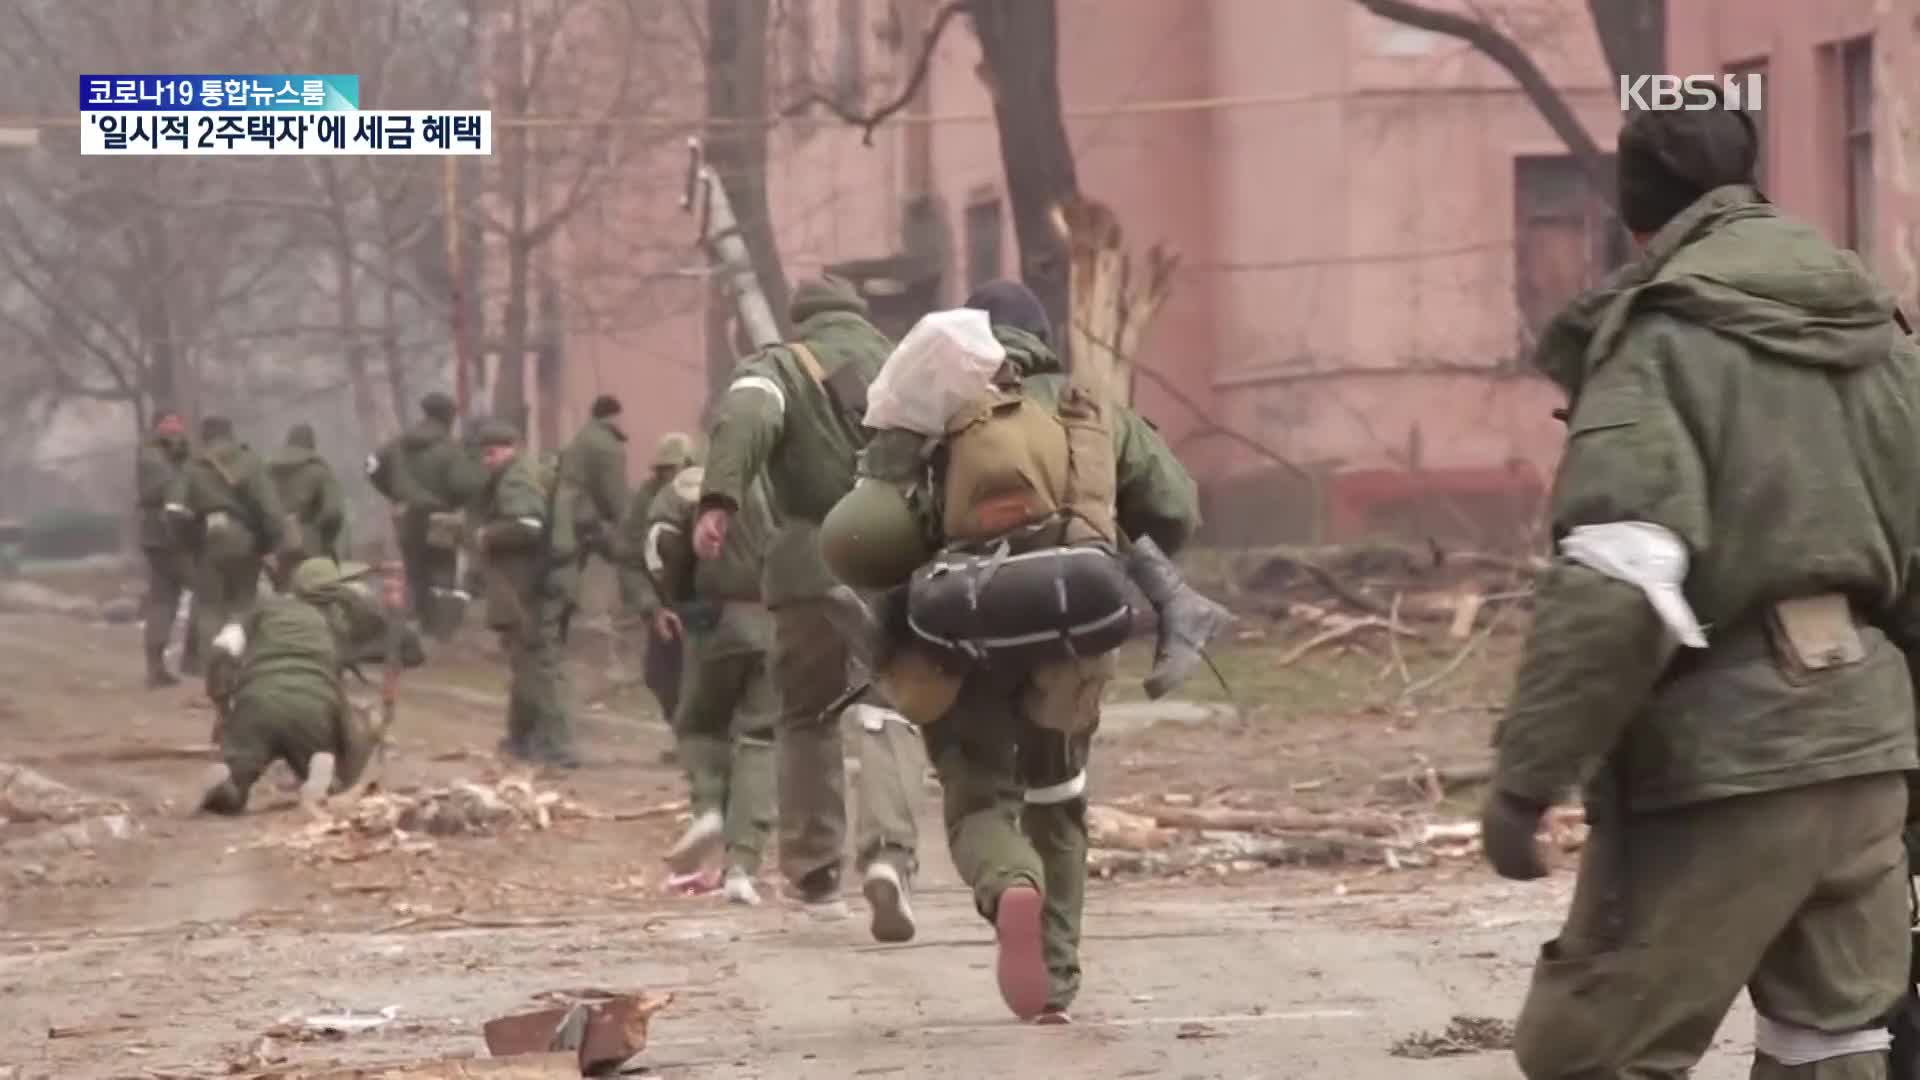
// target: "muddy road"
[[173, 951]]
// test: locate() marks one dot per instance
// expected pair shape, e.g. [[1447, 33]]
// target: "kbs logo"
[[1691, 93]]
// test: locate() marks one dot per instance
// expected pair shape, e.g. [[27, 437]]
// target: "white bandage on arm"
[[657, 563], [764, 385], [1792, 1045], [1649, 557], [1054, 794], [232, 639]]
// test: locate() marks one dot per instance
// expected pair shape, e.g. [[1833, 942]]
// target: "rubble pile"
[[1186, 841], [404, 820]]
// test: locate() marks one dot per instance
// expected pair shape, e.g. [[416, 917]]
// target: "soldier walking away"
[[163, 527], [724, 728], [594, 466], [1740, 458], [526, 541], [664, 658], [1033, 493], [794, 414], [310, 495], [429, 478], [236, 523], [276, 680]]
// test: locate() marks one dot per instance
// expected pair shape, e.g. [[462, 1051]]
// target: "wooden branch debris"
[[1341, 629], [1232, 819], [1111, 304]]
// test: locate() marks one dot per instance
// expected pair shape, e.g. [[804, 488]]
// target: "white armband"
[[1647, 556], [373, 464], [531, 522], [232, 640], [765, 386], [656, 562], [1793, 1046]]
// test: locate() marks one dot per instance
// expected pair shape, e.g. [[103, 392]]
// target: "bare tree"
[[1632, 35], [559, 141]]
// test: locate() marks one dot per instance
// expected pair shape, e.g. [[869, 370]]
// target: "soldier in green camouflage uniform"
[[310, 495], [1014, 781], [169, 563], [664, 659], [724, 728], [430, 479], [793, 414], [276, 679], [236, 521], [526, 539], [1742, 412], [594, 467]]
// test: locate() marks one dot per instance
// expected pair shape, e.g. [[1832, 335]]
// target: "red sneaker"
[[1022, 967]]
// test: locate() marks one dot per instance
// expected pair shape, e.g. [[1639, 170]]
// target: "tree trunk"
[[162, 368], [390, 353], [736, 147], [509, 388], [1020, 39], [355, 355], [1633, 35]]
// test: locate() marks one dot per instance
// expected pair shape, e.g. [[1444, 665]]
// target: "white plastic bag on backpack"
[[944, 364]]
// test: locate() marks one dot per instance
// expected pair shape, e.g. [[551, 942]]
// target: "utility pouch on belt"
[[446, 530], [1812, 634], [1056, 603]]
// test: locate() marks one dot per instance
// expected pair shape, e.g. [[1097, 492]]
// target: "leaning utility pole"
[[726, 247]]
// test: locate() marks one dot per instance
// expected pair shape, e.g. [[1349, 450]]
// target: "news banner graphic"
[[263, 115]]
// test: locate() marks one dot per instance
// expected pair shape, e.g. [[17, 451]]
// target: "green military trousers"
[[224, 590], [810, 671], [167, 579], [1014, 796], [288, 718], [540, 691], [723, 732], [1800, 895]]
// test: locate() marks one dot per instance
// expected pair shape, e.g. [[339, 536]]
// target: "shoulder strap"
[[810, 362]]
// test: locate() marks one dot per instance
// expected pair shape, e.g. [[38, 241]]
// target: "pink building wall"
[[1804, 101], [1340, 192]]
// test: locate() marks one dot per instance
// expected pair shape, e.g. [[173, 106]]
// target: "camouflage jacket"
[[594, 467], [310, 496], [1744, 385], [527, 540], [431, 471], [718, 599], [228, 477], [776, 420], [630, 549], [156, 481]]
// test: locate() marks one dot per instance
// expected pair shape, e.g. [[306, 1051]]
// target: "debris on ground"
[[28, 796], [401, 820], [1464, 1035], [561, 1066], [1182, 841], [606, 1030], [1364, 578], [32, 598]]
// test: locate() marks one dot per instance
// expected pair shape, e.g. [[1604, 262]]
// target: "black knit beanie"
[[1009, 303], [1668, 159]]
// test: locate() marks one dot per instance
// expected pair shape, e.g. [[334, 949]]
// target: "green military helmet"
[[314, 576], [674, 452], [872, 539]]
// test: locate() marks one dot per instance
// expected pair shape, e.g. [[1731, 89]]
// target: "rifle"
[[720, 237]]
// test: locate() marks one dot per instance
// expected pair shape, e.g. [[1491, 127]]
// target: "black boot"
[[158, 677], [1187, 620]]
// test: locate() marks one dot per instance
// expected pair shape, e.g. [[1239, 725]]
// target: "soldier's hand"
[[710, 532], [667, 625], [1509, 826]]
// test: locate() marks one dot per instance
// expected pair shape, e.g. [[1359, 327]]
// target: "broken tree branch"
[[1230, 819], [867, 122], [1496, 46]]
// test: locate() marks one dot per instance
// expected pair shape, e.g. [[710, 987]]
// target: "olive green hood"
[[1733, 264], [1028, 354]]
